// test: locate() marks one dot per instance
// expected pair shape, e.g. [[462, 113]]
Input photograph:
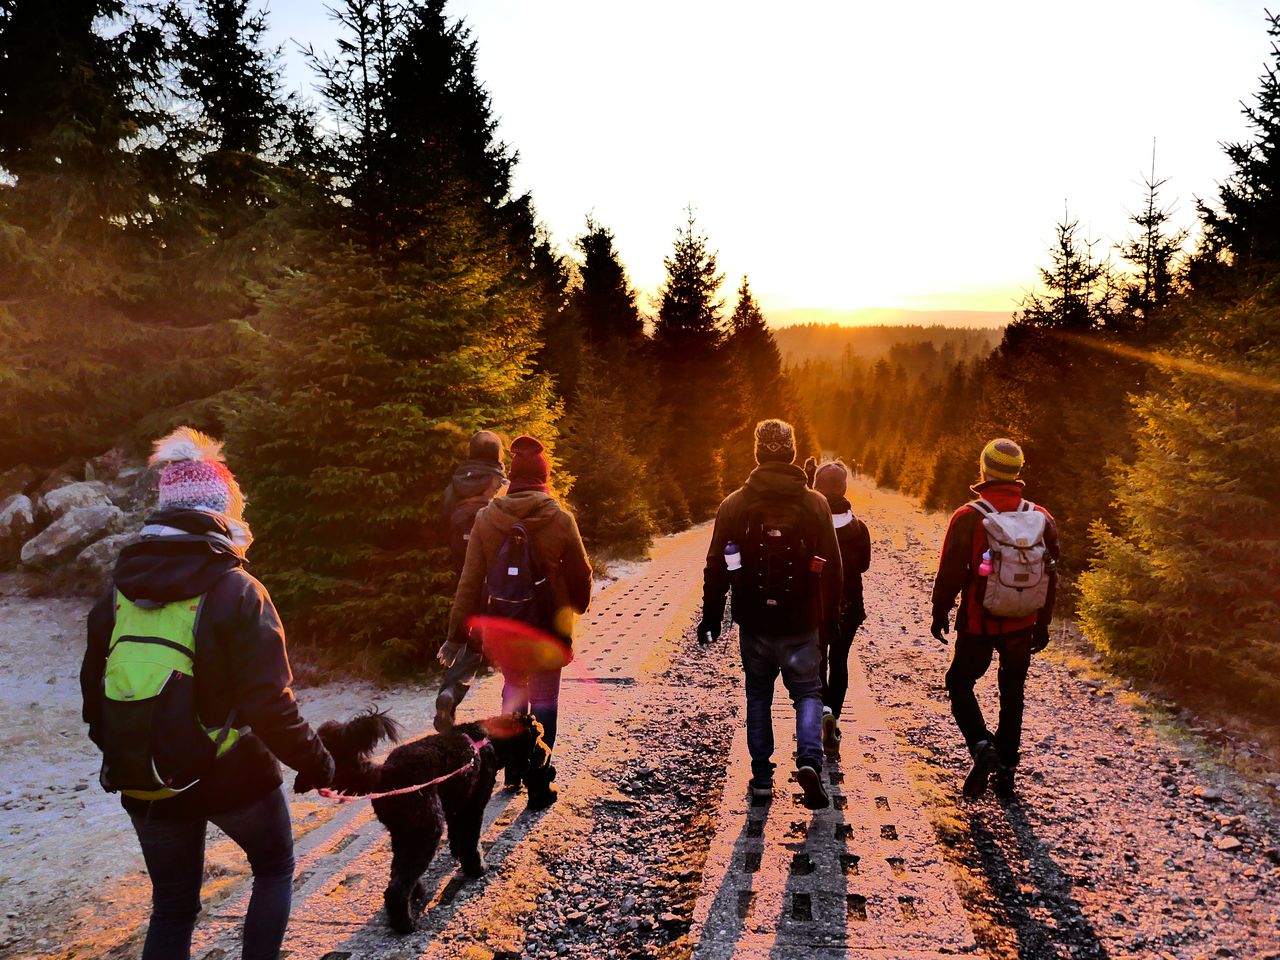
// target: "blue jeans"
[[537, 693], [174, 852], [797, 658]]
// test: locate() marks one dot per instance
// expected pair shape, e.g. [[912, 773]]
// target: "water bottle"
[[985, 567], [732, 556]]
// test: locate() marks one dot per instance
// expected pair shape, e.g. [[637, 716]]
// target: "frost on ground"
[[1130, 839]]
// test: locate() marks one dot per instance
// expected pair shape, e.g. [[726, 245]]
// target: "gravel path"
[[1131, 839]]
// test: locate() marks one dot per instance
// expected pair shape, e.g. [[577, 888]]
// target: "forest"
[[346, 287]]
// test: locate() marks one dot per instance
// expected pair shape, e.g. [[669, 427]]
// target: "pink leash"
[[476, 745]]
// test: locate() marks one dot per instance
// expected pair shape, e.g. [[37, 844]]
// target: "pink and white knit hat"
[[195, 477]]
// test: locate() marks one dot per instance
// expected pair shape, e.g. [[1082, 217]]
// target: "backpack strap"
[[1026, 506], [984, 506]]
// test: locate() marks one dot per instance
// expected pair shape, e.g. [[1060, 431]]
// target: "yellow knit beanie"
[[1001, 460]]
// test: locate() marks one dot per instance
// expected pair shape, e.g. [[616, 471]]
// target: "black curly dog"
[[416, 820]]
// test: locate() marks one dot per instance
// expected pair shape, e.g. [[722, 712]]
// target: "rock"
[[105, 466], [20, 479], [1209, 794], [1227, 844], [72, 471], [99, 558], [86, 493], [70, 533], [17, 524]]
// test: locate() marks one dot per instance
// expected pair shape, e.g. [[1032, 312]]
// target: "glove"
[[449, 653], [321, 776], [941, 624], [1039, 637], [707, 628]]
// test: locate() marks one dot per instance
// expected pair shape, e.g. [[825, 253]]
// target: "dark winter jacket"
[[773, 480], [556, 542], [855, 558], [962, 550], [473, 485], [240, 662]]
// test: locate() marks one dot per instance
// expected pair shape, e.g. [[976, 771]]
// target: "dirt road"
[[1130, 838]]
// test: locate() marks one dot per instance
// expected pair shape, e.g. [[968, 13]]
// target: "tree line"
[[345, 288]]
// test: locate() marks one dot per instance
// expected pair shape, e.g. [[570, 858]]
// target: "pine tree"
[[1154, 253], [688, 334], [416, 324], [756, 379], [1074, 283], [606, 302]]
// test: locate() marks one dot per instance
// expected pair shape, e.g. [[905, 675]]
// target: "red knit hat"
[[530, 469]]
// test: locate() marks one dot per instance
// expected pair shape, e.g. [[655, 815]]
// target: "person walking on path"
[[181, 592], [563, 590], [475, 482], [832, 481], [998, 556], [775, 546]]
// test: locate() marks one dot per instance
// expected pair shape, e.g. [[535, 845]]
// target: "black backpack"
[[515, 588], [775, 590], [461, 521]]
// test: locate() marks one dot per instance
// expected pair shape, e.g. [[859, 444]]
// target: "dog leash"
[[476, 745]]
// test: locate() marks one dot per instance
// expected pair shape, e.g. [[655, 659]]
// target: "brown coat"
[[557, 543]]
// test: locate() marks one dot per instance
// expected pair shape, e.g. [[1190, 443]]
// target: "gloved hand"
[[941, 624], [320, 776], [449, 653], [706, 629], [1039, 637]]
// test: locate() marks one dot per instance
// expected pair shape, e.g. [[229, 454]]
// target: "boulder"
[[71, 471], [71, 533], [18, 480], [105, 467], [134, 489], [99, 558], [85, 493], [17, 524]]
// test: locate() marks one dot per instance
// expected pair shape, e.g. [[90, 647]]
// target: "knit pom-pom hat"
[[1001, 460], [832, 480], [194, 476], [775, 441], [530, 469]]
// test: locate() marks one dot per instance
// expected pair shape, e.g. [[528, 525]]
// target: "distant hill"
[[832, 342], [890, 317]]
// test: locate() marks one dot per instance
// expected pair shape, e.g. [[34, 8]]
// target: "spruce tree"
[[415, 325], [605, 302], [756, 387], [688, 334], [1154, 253]]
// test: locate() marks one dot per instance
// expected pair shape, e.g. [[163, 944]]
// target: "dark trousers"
[[174, 853], [835, 664], [458, 675], [970, 661], [797, 658]]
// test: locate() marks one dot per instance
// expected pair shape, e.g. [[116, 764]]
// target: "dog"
[[416, 820]]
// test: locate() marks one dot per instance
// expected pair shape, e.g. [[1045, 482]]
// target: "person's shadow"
[[1056, 892]]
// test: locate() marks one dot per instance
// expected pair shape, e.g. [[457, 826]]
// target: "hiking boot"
[[830, 733], [1002, 784], [511, 778], [445, 707], [542, 792], [985, 761], [815, 794], [760, 787]]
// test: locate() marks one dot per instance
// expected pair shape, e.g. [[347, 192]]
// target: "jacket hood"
[[533, 508], [839, 505], [472, 478], [182, 554], [998, 490], [777, 480]]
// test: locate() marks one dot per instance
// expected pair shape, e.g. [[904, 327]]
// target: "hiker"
[[775, 546], [476, 481], [186, 679], [526, 563], [999, 556], [832, 481]]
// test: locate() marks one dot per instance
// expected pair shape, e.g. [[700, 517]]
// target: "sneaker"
[[1002, 783], [760, 787], [445, 707], [985, 761], [830, 733], [815, 795]]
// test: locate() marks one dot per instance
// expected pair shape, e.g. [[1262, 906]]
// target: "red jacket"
[[962, 552]]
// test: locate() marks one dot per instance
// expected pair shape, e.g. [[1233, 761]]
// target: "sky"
[[848, 155]]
